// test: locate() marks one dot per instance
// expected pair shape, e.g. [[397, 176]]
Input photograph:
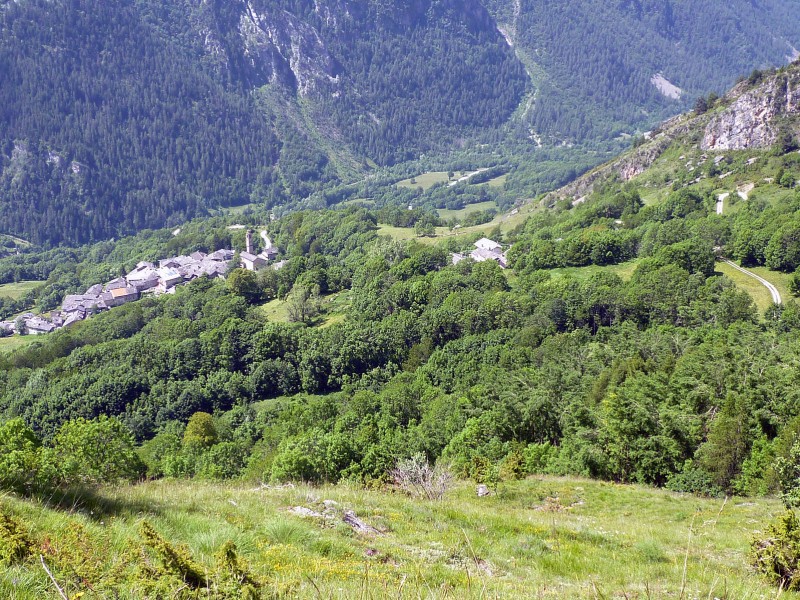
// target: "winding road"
[[776, 295]]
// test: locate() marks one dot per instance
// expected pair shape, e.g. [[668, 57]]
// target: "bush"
[[693, 480], [417, 478], [777, 556], [20, 457], [158, 452], [15, 545], [97, 451], [200, 431], [538, 457], [788, 471], [222, 461], [175, 560], [314, 457], [794, 283]]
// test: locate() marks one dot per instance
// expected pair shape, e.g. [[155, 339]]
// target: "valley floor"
[[538, 538]]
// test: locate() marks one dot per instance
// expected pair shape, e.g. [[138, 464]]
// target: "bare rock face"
[[278, 39], [750, 122]]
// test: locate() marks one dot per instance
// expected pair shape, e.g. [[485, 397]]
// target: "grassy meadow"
[[446, 213], [333, 309], [15, 291], [756, 289], [11, 343], [425, 181], [537, 538], [505, 221], [624, 270]]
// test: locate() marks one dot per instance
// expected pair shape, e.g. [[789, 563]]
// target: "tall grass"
[[539, 538]]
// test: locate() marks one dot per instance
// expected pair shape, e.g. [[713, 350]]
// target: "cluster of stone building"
[[146, 278], [485, 249]]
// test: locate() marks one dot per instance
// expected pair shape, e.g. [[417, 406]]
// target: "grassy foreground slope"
[[537, 538]]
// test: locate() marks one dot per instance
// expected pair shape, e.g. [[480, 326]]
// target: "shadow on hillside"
[[95, 505]]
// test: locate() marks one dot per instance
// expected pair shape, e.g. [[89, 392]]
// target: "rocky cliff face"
[[753, 120], [290, 48]]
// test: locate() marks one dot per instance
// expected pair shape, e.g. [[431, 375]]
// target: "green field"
[[447, 214], [624, 270], [333, 309], [11, 343], [396, 233], [426, 180], [275, 310], [757, 291], [15, 291], [776, 278], [359, 202], [537, 538], [506, 222], [498, 181]]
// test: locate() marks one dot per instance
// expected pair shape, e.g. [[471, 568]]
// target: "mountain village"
[[146, 279]]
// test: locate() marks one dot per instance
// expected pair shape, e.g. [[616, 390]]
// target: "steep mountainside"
[[601, 336], [757, 114], [126, 114], [601, 68]]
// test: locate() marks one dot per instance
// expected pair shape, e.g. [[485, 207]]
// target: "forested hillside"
[[621, 343], [593, 63], [123, 115], [644, 363]]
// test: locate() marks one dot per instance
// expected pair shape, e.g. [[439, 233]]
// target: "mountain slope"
[[123, 115], [760, 113], [601, 69]]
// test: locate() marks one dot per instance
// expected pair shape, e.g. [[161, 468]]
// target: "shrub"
[[222, 461], [97, 451], [235, 570], [794, 283], [693, 480], [788, 471], [512, 466], [777, 556], [159, 452], [314, 457], [417, 478], [175, 560], [20, 453], [538, 457], [15, 545]]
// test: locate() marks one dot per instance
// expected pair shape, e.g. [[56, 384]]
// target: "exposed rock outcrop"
[[751, 121], [632, 163], [755, 117], [289, 46]]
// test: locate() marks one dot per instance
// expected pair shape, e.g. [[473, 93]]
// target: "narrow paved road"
[[776, 295], [721, 202], [466, 177]]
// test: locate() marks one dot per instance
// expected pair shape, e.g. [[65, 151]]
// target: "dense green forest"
[[592, 63], [121, 116], [615, 345], [126, 115], [620, 344]]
